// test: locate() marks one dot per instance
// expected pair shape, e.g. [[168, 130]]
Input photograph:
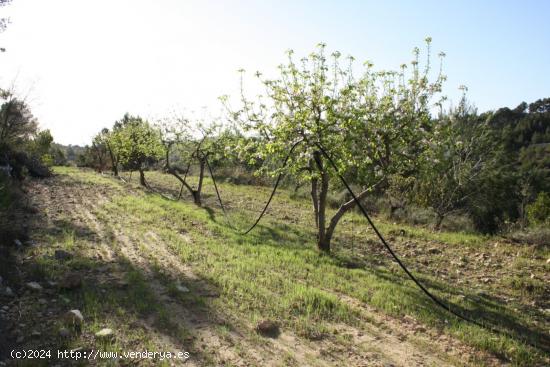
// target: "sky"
[[83, 64]]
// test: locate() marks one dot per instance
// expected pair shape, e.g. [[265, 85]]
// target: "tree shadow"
[[114, 292]]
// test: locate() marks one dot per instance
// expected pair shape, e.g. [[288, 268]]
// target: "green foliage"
[[463, 170], [17, 124], [47, 160], [136, 142], [374, 125], [538, 212], [41, 144]]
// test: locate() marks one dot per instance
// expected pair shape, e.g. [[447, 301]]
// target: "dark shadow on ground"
[[108, 286]]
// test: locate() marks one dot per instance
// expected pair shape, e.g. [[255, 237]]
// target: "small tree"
[[109, 139], [373, 126], [538, 212], [17, 124], [192, 142], [455, 168], [99, 152], [137, 143]]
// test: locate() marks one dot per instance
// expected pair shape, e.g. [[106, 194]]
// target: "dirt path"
[[215, 337]]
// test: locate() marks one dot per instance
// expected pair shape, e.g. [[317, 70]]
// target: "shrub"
[[538, 212]]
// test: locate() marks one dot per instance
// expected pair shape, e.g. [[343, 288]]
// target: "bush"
[[24, 164], [538, 212]]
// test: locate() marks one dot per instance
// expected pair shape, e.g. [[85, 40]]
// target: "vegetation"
[[276, 273], [394, 142]]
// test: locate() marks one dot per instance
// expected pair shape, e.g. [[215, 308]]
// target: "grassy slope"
[[277, 273]]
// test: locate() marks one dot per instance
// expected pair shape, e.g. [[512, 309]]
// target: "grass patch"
[[276, 271]]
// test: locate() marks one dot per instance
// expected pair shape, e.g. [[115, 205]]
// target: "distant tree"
[[540, 106], [137, 143], [17, 124], [58, 155], [98, 152], [461, 159], [42, 143], [538, 212], [191, 141]]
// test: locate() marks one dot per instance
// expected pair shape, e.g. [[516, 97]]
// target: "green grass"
[[276, 272]]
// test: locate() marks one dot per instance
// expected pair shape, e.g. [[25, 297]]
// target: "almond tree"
[[461, 160], [373, 125], [192, 142]]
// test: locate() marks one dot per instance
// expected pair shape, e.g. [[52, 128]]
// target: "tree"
[[373, 126], [137, 144], [99, 152], [177, 136], [17, 124], [109, 140], [453, 171], [42, 143]]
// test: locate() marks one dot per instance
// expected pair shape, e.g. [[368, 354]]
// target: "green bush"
[[538, 212], [47, 160]]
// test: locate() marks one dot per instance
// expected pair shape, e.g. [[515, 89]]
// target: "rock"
[[73, 318], [105, 334], [62, 255], [64, 333], [70, 281], [182, 288], [268, 328], [8, 292], [17, 243], [34, 286]]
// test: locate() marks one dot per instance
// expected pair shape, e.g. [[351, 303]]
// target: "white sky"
[[83, 64]]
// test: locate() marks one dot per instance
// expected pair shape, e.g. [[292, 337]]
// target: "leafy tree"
[[459, 165], [42, 143], [538, 212], [137, 144], [58, 155], [17, 124], [99, 152], [374, 125]]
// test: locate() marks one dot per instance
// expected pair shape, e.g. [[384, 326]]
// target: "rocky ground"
[[77, 280]]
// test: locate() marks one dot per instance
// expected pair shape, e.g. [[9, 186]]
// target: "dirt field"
[[132, 279]]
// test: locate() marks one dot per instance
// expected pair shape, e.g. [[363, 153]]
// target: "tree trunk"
[[197, 197], [440, 218], [197, 193], [344, 208], [315, 200], [114, 161], [115, 169], [142, 177], [323, 243]]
